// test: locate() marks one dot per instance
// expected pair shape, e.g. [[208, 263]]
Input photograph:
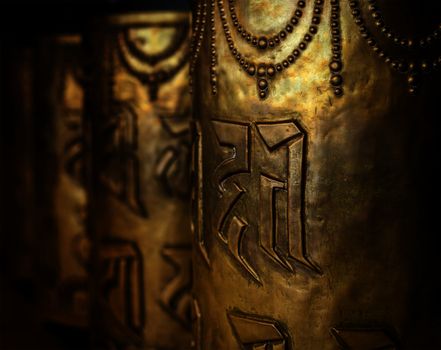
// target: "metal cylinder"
[[315, 140], [64, 248], [139, 112]]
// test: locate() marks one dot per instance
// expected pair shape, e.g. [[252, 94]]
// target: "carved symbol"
[[364, 339], [176, 297], [122, 284], [172, 164], [197, 224], [121, 175], [136, 60], [281, 137], [197, 325], [259, 333], [271, 156]]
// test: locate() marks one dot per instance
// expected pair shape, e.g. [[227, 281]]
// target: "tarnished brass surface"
[[312, 211], [44, 290], [61, 252], [69, 298], [140, 128]]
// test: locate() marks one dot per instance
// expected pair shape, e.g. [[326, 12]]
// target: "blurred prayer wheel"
[[316, 134], [139, 110], [63, 248]]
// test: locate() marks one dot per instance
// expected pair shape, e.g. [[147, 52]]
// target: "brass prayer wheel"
[[43, 231], [315, 138], [62, 252], [140, 114]]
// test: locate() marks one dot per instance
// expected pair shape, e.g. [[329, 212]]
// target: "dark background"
[[22, 26]]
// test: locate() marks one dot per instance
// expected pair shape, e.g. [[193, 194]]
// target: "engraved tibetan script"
[[258, 333], [260, 181], [176, 296], [122, 283], [121, 175], [364, 338]]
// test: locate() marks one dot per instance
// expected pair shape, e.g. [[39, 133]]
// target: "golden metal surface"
[[311, 206], [64, 240], [140, 124]]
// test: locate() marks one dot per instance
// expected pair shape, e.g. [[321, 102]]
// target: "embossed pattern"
[[268, 156]]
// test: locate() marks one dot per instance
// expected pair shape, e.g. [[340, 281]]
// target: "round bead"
[[424, 66], [335, 66], [338, 91], [251, 69], [263, 84], [262, 43], [317, 10], [271, 70], [412, 90], [412, 80], [336, 80], [261, 70], [371, 42]]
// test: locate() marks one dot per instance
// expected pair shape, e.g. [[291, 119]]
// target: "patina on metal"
[[311, 199], [140, 114], [63, 249]]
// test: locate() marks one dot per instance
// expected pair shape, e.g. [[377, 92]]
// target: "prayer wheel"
[[315, 138], [139, 113], [65, 249]]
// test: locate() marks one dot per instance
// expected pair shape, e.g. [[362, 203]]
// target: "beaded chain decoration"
[[197, 35], [412, 68], [336, 64], [265, 72], [397, 39], [261, 41], [213, 63], [140, 65]]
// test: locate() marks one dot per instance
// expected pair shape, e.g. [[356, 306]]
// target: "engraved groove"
[[257, 332]]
